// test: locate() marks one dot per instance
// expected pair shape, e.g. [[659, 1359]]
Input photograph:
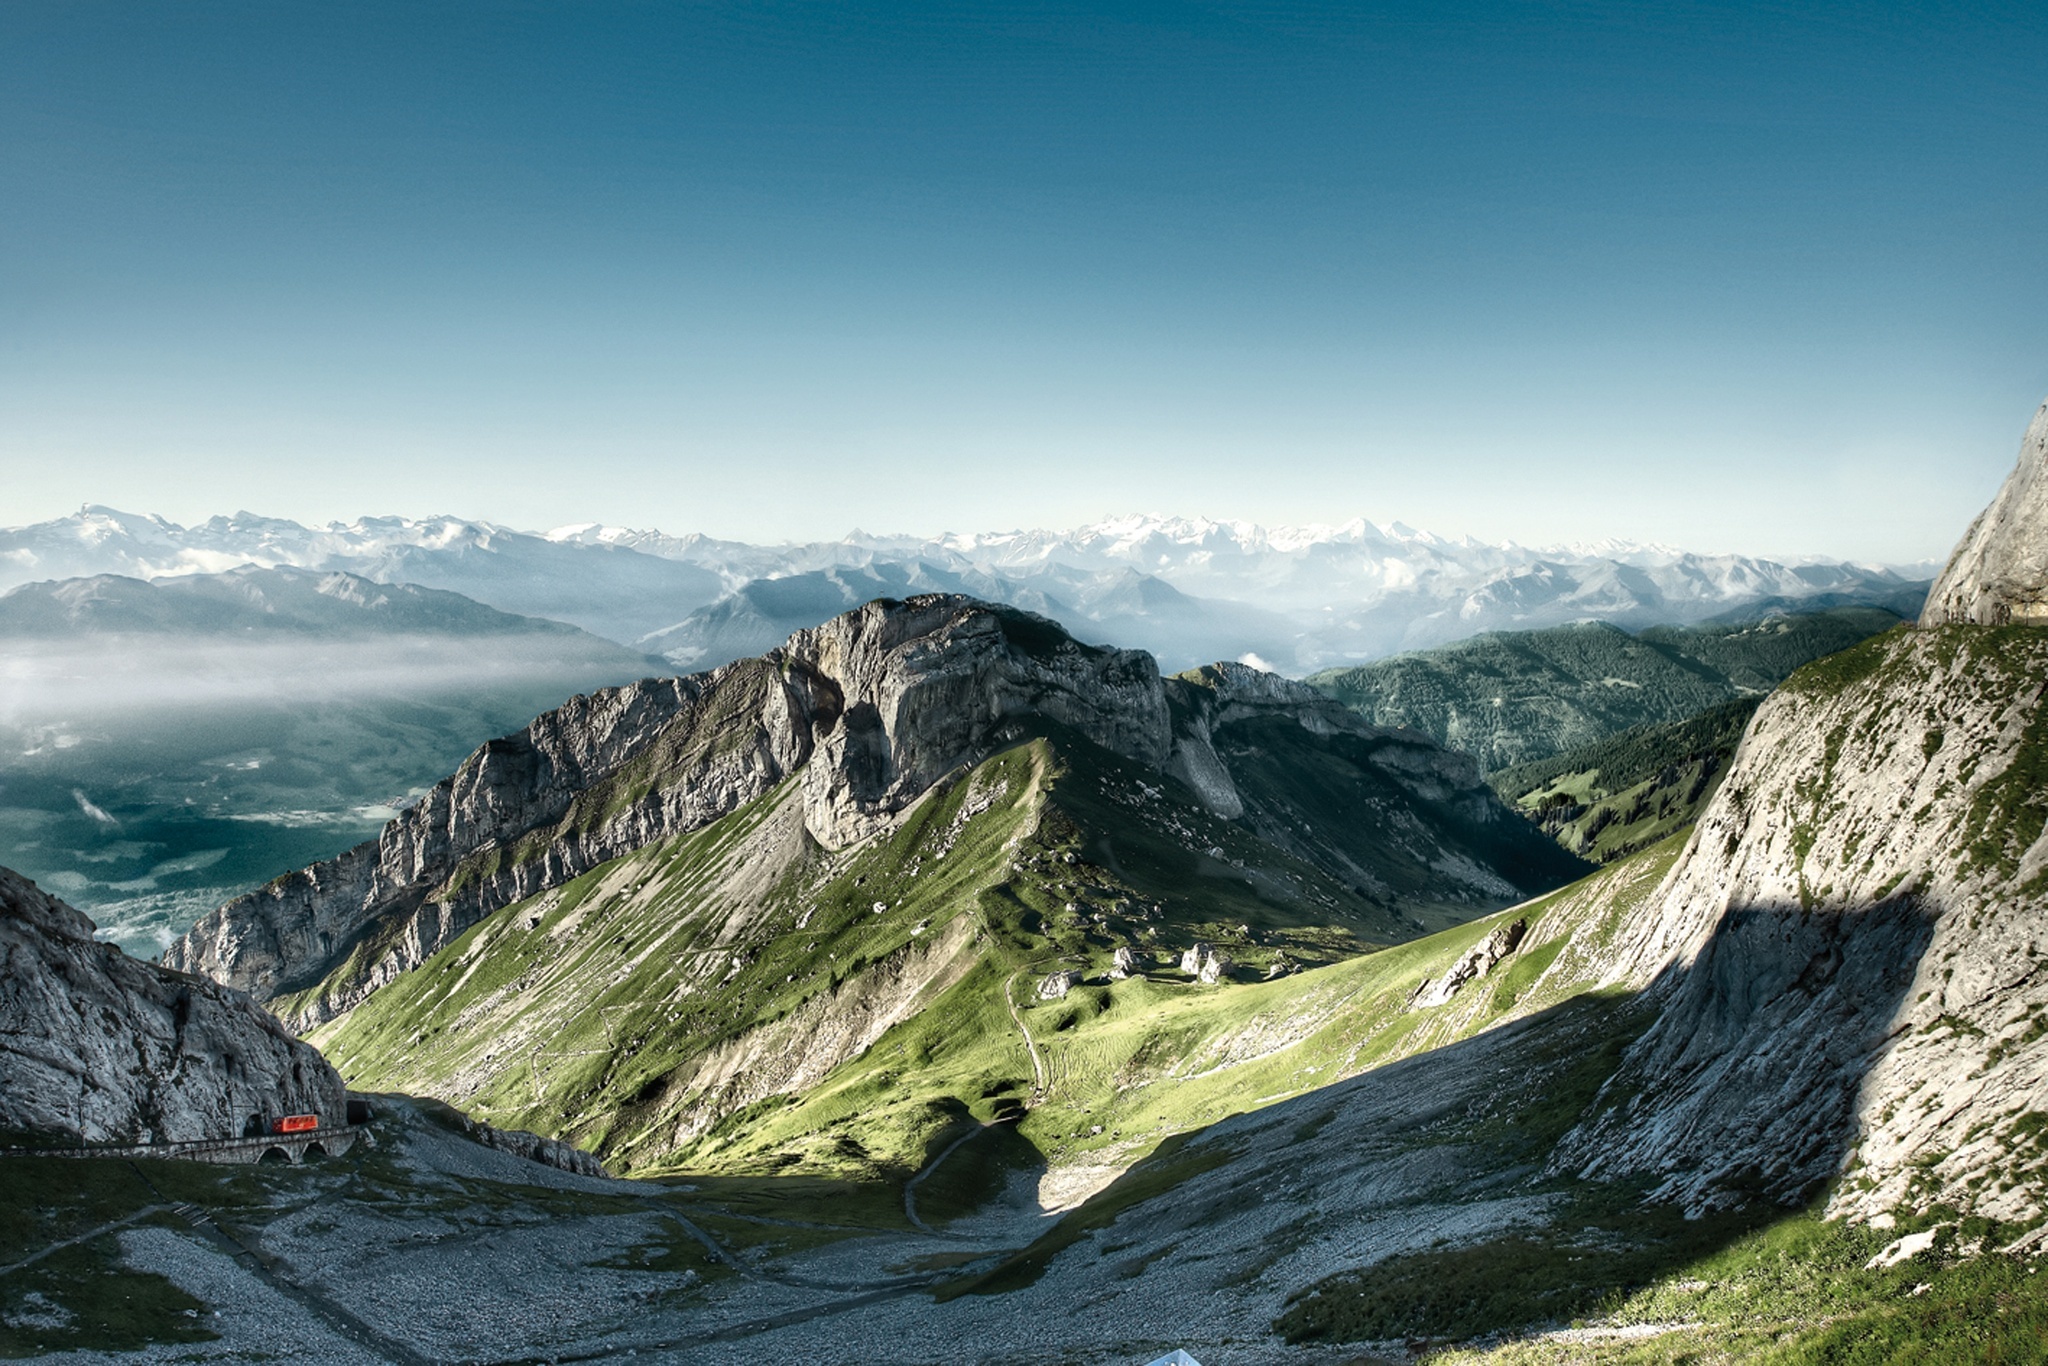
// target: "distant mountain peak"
[[1300, 596]]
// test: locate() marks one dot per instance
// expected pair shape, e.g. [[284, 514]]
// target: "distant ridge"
[[1189, 590]]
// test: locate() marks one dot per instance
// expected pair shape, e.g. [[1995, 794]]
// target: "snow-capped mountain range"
[[1191, 590]]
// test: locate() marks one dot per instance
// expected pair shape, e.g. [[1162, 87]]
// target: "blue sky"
[[1755, 277]]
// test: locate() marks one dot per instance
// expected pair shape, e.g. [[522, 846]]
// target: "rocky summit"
[[1999, 573], [864, 716]]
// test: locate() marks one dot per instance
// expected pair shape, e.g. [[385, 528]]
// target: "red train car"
[[294, 1124]]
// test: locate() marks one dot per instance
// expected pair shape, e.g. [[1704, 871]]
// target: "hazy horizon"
[[1395, 527], [1711, 276]]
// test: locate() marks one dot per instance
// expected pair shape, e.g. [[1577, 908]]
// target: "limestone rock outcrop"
[[1476, 961], [549, 1152], [1055, 986], [96, 1047], [864, 715], [1999, 573], [1850, 958]]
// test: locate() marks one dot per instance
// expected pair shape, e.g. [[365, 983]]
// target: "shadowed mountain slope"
[[1857, 916]]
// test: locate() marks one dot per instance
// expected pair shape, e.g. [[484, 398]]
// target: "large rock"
[[1852, 954], [1475, 962], [1207, 963], [1056, 986], [1999, 573], [548, 1152], [96, 1047], [866, 713]]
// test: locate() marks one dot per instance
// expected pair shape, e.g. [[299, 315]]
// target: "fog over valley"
[[189, 711], [164, 745]]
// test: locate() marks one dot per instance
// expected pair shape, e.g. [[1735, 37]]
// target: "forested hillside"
[[1518, 697]]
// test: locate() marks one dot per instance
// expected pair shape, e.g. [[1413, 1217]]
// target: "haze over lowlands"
[[498, 865]]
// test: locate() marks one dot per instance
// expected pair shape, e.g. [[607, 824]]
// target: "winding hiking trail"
[[910, 1186], [1039, 1089]]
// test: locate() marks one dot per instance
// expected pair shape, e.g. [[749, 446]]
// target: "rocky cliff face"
[[1855, 944], [96, 1047], [1206, 700], [866, 712], [1999, 573], [1852, 953]]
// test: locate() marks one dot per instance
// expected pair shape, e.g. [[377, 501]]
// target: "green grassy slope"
[[1626, 793], [1754, 1285], [599, 1010], [648, 1009], [1520, 697]]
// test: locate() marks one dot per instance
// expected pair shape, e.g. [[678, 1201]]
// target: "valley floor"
[[431, 1248]]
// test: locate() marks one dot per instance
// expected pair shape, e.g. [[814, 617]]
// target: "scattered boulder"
[[1476, 962], [1281, 966], [1127, 962], [1902, 1250], [1207, 963], [1056, 987]]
